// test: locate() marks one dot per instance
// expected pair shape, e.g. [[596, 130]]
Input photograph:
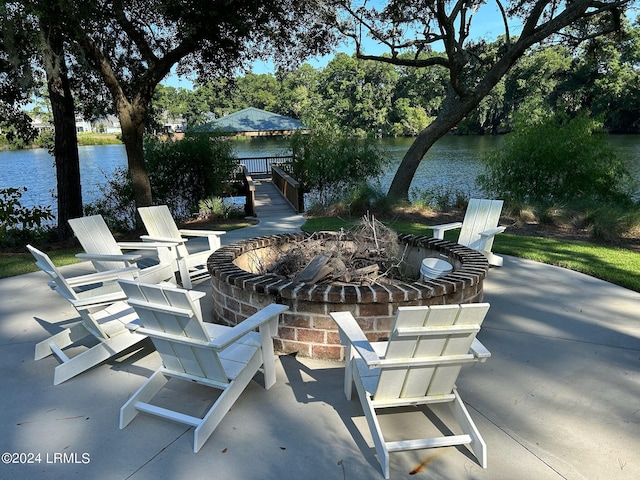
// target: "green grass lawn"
[[615, 265], [12, 264]]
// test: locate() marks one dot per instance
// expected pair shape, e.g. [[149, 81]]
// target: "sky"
[[487, 23]]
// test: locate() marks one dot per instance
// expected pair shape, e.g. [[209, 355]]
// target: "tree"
[[358, 95], [16, 75], [418, 26], [133, 45], [31, 36], [67, 158]]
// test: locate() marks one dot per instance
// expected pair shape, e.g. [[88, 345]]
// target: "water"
[[453, 163], [35, 170]]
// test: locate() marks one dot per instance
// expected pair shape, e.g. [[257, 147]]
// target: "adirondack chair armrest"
[[213, 236], [352, 336], [148, 245], [129, 258], [201, 233], [167, 240], [98, 301], [479, 351], [492, 232], [257, 320], [100, 277], [486, 238], [438, 230]]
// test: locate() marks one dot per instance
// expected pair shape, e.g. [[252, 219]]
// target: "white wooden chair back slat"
[[419, 381], [181, 319], [481, 215], [159, 222], [44, 263], [95, 237]]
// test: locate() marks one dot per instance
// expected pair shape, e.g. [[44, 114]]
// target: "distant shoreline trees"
[[367, 97]]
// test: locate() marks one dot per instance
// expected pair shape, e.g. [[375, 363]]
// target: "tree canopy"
[[444, 28]]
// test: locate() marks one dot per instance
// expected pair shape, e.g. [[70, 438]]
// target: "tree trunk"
[[132, 122], [67, 160], [453, 111]]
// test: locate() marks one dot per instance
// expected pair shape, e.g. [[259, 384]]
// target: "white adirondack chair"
[[214, 355], [419, 365], [106, 254], [478, 229], [103, 313], [192, 253]]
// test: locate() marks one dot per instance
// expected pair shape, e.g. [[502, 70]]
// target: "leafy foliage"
[[329, 163], [186, 171], [18, 222], [182, 173], [219, 208], [554, 160]]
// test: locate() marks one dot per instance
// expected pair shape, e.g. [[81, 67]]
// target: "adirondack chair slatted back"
[[427, 348], [44, 263], [481, 215], [96, 238], [181, 338], [62, 287], [159, 222]]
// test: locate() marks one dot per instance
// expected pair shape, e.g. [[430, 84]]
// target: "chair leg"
[[349, 365], [67, 337], [374, 427], [224, 402], [145, 393], [493, 259], [185, 279], [95, 355], [477, 445], [268, 356]]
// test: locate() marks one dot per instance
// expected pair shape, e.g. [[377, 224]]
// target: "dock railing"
[[289, 187], [262, 165], [250, 192]]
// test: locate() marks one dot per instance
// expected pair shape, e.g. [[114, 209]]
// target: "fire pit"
[[240, 289]]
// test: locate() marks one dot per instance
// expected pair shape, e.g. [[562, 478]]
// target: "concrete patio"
[[558, 399]]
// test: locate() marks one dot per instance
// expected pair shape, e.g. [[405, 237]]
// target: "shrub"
[[328, 163], [439, 198], [184, 172], [18, 222], [554, 161], [218, 207], [181, 173]]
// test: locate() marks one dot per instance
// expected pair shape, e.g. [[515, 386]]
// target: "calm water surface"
[[452, 164]]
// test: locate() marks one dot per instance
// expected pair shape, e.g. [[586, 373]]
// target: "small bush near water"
[[20, 225], [329, 163], [181, 173]]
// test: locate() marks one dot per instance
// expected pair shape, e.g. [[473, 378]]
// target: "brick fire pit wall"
[[307, 328]]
